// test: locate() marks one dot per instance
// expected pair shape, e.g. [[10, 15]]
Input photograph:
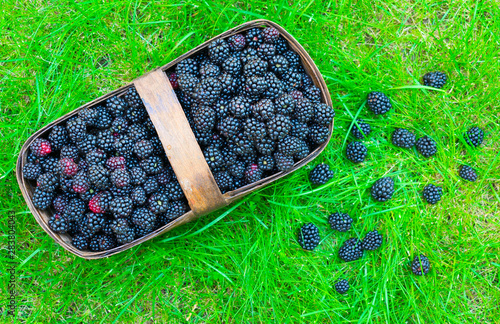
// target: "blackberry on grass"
[[270, 35], [187, 66], [96, 157], [283, 162], [120, 178], [266, 51], [403, 138], [58, 137], [204, 119], [372, 241], [432, 194], [253, 173], [232, 65], [356, 152], [58, 223], [158, 203], [119, 126], [47, 182], [474, 136], [88, 116], [236, 42], [94, 222], [80, 241], [138, 196], [174, 191], [342, 286], [309, 236], [420, 265], [88, 144], [210, 70], [103, 119], [152, 165], [67, 167], [278, 127], [60, 203], [254, 37], [224, 181], [435, 79], [116, 106], [99, 176], [40, 147], [318, 134], [467, 173], [426, 146], [81, 182], [378, 103], [116, 162], [313, 93], [76, 128], [265, 162], [218, 50], [323, 114], [32, 170], [278, 64], [255, 67], [321, 174], [361, 130], [340, 221], [254, 129], [383, 189], [75, 209], [143, 218], [99, 204], [351, 250]]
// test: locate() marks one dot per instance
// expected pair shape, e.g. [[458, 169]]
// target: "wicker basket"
[[183, 152]]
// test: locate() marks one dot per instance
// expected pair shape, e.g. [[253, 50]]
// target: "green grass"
[[242, 264]]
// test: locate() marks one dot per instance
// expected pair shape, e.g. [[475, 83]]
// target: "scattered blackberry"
[[40, 147], [285, 104], [236, 42], [103, 119], [254, 129], [119, 126], [143, 218], [372, 241], [255, 67], [342, 286], [420, 265], [88, 144], [120, 178], [265, 163], [253, 173], [224, 181], [218, 51], [313, 93], [378, 103], [70, 152], [60, 203], [96, 157], [48, 182], [174, 191], [383, 189], [278, 64], [361, 130], [318, 134], [254, 37], [403, 138], [278, 127], [432, 193], [80, 241], [67, 167], [81, 182], [99, 204], [283, 162], [58, 223], [173, 78], [99, 176], [232, 65], [351, 250], [309, 236], [58, 137], [281, 45], [266, 51], [187, 66], [152, 165], [356, 152], [210, 70], [138, 196], [323, 114], [435, 79], [75, 209], [467, 173], [105, 141], [474, 136], [32, 170], [426, 146], [76, 128], [116, 106], [340, 221], [88, 116], [321, 174]]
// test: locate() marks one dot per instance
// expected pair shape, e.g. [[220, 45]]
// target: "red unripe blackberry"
[[81, 182], [40, 147], [270, 34], [99, 204], [116, 162], [172, 77], [236, 42], [68, 167]]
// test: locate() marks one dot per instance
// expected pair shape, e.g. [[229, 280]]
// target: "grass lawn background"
[[247, 266]]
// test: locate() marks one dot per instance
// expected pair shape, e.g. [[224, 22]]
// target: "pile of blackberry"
[[251, 105], [105, 176]]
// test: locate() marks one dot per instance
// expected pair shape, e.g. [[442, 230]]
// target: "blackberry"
[[356, 152], [187, 66], [58, 137], [175, 210], [48, 182], [278, 64], [75, 209], [137, 176], [361, 130], [157, 148], [323, 114], [132, 98], [270, 34], [372, 241], [474, 136], [266, 51], [106, 242], [296, 95], [120, 178], [378, 103], [83, 166], [136, 114], [218, 51], [303, 110], [138, 196], [255, 67], [137, 132], [40, 147], [236, 42], [105, 141], [143, 218], [124, 146], [174, 191], [254, 129], [241, 145], [435, 79], [32, 170], [126, 237], [94, 244], [88, 144], [76, 129], [60, 203], [249, 157], [309, 236], [204, 119], [173, 78], [164, 177], [207, 91], [340, 221], [103, 119], [253, 173], [263, 110], [68, 167], [119, 226], [281, 45], [274, 86], [213, 157], [116, 106], [238, 183], [299, 130], [265, 146], [265, 163], [210, 70], [158, 203], [151, 185], [467, 173], [313, 93], [188, 83], [116, 162], [321, 174], [80, 241], [285, 104], [292, 58], [289, 145], [94, 222], [99, 204], [239, 107], [342, 286], [89, 194], [81, 182], [420, 265], [237, 169], [119, 126], [229, 84], [306, 81], [224, 181], [426, 146], [383, 189], [121, 192], [88, 116], [58, 223], [283, 162], [318, 134], [303, 150], [96, 157], [232, 65], [292, 80], [403, 138], [278, 127], [351, 250], [152, 165], [254, 37], [121, 207], [248, 54], [432, 194], [99, 176], [255, 85], [70, 152]]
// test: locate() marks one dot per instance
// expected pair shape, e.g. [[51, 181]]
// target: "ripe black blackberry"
[[383, 189], [143, 218], [121, 207], [136, 114], [237, 169], [278, 127], [229, 127], [239, 107], [285, 104], [94, 222], [255, 67], [266, 51], [224, 181], [105, 141], [210, 70], [138, 196], [289, 145], [218, 51], [80, 241], [403, 138], [58, 137], [120, 178], [247, 55], [254, 129], [253, 173], [96, 157], [299, 129], [137, 132], [116, 106], [274, 86], [103, 118], [340, 221], [152, 165], [281, 45], [278, 64], [323, 114], [119, 226], [188, 83], [474, 136], [58, 223], [48, 182], [187, 66], [361, 130], [60, 202], [254, 37], [137, 176], [119, 126], [94, 243], [321, 174], [236, 42], [228, 155], [426, 146], [312, 93], [265, 163], [81, 182], [283, 162], [356, 152], [70, 152], [204, 119], [351, 250], [174, 191], [255, 85], [342, 286], [32, 170], [126, 237], [241, 145], [232, 65], [291, 80], [432, 194], [213, 157], [99, 176], [263, 110], [88, 115], [106, 242], [265, 146], [292, 58], [124, 146], [229, 85], [75, 209], [420, 265], [467, 173], [88, 144], [175, 210], [303, 151], [270, 34], [309, 236], [158, 203], [378, 103], [318, 134], [76, 129], [306, 81], [372, 241], [435, 79]]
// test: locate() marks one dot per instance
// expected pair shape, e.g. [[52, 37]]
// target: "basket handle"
[[179, 142]]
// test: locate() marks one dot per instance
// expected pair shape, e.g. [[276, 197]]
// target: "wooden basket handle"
[[179, 142]]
